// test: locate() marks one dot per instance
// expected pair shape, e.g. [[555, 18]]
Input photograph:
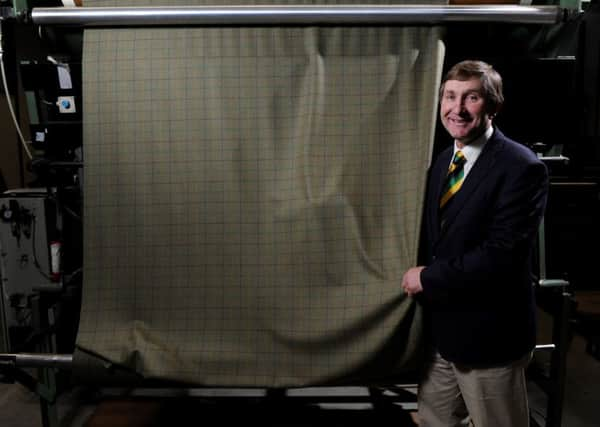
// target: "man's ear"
[[493, 110]]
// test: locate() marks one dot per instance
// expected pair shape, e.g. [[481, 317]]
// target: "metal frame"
[[554, 383]]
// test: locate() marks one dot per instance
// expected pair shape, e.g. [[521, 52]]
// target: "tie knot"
[[457, 162], [459, 158]]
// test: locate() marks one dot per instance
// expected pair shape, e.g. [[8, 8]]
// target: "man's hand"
[[411, 281]]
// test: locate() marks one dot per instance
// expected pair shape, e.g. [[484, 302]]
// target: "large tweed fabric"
[[252, 199]]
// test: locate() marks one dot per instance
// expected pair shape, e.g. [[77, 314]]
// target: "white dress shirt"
[[472, 150]]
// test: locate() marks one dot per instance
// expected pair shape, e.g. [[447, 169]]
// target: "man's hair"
[[491, 81]]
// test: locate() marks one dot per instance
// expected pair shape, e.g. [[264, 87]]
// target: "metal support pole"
[[558, 363], [38, 360], [46, 375], [562, 311], [294, 15]]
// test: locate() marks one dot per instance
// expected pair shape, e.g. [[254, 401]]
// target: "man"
[[482, 212]]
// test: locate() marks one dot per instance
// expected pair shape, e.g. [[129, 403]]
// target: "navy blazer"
[[478, 290]]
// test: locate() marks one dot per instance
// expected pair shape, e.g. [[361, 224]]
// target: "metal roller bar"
[[293, 15], [38, 360], [545, 347]]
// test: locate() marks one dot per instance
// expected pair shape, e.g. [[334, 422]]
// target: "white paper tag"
[[64, 76]]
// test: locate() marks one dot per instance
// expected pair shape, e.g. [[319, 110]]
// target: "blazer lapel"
[[476, 176]]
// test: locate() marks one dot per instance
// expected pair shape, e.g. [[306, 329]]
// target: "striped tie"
[[454, 179]]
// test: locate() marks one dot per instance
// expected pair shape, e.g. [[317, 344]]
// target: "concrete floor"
[[81, 407]]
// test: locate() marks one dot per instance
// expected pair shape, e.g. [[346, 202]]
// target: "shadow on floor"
[[188, 412]]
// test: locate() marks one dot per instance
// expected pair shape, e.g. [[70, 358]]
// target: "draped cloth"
[[252, 197]]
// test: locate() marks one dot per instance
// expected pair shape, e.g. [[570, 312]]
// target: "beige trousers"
[[452, 395]]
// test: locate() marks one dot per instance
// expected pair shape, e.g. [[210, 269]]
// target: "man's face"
[[463, 110]]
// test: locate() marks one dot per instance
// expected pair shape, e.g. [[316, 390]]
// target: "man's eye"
[[473, 98], [450, 97]]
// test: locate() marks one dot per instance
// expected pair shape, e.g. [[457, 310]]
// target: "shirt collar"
[[473, 149]]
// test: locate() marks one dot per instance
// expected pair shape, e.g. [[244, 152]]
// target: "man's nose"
[[459, 105]]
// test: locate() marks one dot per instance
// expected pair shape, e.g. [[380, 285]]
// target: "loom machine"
[[546, 52]]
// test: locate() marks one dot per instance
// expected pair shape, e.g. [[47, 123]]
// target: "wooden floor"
[[588, 303], [587, 321], [153, 413]]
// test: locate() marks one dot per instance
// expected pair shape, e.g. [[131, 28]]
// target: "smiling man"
[[486, 196]]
